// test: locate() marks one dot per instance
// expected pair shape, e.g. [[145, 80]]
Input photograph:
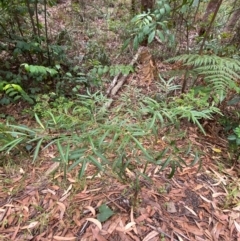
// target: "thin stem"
[[46, 32], [195, 15], [210, 26], [36, 14], [31, 17], [40, 55]]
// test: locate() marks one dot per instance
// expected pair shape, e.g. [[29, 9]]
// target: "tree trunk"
[[234, 18], [211, 8], [236, 37], [208, 28]]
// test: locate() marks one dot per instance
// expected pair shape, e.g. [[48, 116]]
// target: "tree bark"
[[236, 37], [211, 8], [234, 18], [208, 29]]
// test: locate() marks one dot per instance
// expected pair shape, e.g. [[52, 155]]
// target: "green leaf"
[[26, 66], [196, 159], [135, 42], [12, 93], [160, 35], [23, 128], [162, 11], [28, 147], [238, 141], [166, 163], [146, 30], [125, 44], [167, 7], [52, 72], [12, 144], [76, 154], [105, 69], [57, 66], [142, 148], [8, 90], [37, 149], [96, 163], [151, 37], [232, 137], [39, 121], [173, 170], [74, 164], [61, 152], [101, 156], [82, 169], [104, 213], [161, 155]]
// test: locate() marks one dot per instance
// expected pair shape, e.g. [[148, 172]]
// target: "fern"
[[219, 73]]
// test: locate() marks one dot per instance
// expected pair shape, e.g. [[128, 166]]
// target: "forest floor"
[[200, 203]]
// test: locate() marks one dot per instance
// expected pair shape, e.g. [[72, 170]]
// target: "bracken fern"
[[220, 73]]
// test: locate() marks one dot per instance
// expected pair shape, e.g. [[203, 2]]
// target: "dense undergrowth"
[[64, 76]]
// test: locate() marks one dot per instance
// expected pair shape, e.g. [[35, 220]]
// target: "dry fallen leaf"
[[151, 235], [91, 209], [190, 210], [31, 225], [64, 238], [113, 225], [237, 226], [66, 192], [129, 226], [96, 222], [216, 150], [62, 208], [171, 207]]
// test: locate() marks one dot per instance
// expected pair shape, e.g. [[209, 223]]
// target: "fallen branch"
[[118, 83], [121, 81], [112, 84]]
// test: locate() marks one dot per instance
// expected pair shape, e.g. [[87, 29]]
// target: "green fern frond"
[[219, 72]]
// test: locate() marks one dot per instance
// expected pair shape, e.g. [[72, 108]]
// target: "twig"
[[113, 201], [160, 231], [85, 225], [158, 40], [182, 235]]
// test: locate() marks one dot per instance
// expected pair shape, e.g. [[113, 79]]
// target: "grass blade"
[[37, 148]]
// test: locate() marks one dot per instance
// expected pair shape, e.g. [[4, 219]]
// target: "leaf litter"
[[193, 205]]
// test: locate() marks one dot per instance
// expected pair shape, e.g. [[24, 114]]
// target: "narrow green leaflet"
[[82, 169], [173, 170], [151, 37], [96, 163], [37, 149]]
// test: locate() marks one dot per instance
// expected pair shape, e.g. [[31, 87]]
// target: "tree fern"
[[220, 73]]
